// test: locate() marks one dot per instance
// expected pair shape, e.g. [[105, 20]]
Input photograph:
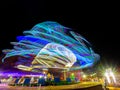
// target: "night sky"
[[98, 22]]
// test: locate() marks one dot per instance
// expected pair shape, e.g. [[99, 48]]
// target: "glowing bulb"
[[43, 72], [84, 76], [40, 76]]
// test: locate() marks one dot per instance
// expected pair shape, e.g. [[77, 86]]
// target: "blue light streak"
[[42, 34]]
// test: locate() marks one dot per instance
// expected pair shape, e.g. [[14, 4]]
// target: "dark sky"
[[98, 22]]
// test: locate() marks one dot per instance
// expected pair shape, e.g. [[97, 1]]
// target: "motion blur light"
[[51, 45]]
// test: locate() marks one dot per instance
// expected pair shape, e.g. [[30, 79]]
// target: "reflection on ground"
[[67, 87]]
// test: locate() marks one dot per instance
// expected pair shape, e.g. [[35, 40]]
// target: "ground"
[[65, 87]]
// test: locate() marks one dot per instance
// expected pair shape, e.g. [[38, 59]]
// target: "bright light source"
[[107, 76], [45, 77], [40, 76], [84, 76], [43, 72], [110, 76], [68, 65]]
